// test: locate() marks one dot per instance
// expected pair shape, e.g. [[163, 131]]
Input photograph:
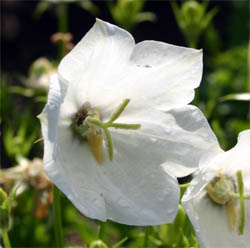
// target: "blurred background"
[[34, 37]]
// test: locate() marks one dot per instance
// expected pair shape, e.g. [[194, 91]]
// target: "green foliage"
[[46, 5], [128, 13], [89, 6], [227, 73], [19, 143], [192, 18], [6, 204]]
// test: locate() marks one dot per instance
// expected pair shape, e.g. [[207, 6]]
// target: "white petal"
[[203, 214], [182, 136], [165, 75], [132, 190], [106, 65], [103, 51], [210, 223], [234, 160], [104, 46], [244, 138], [238, 158], [49, 121], [157, 74]]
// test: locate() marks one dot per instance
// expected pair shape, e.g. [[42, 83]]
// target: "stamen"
[[231, 214], [95, 142]]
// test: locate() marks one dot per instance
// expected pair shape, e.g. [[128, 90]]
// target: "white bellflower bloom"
[[210, 202], [117, 128]]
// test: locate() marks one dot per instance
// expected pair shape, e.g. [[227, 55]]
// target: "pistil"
[[87, 125]]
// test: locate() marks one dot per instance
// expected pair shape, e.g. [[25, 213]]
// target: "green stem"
[[101, 230], [184, 186], [38, 140], [5, 236], [58, 231], [62, 12], [146, 238]]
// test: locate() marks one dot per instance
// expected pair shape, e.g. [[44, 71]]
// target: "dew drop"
[[153, 140], [167, 130]]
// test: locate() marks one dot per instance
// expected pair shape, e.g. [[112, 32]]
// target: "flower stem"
[[5, 236], [184, 186], [62, 12], [101, 230], [58, 231], [146, 238]]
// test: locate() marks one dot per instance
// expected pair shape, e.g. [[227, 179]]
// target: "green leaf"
[[89, 6], [128, 13], [10, 199], [3, 196], [192, 19], [155, 241], [121, 242], [98, 244], [236, 97], [41, 8], [4, 218], [22, 91]]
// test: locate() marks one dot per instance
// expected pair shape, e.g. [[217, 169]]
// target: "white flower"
[[134, 181], [214, 213]]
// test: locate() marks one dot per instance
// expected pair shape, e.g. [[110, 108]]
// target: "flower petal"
[[180, 137], [49, 121], [157, 74], [204, 214], [244, 138], [103, 51], [210, 223], [106, 64], [133, 189], [164, 75]]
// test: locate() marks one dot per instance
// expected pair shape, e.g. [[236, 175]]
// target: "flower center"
[[220, 189], [87, 126], [79, 126]]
